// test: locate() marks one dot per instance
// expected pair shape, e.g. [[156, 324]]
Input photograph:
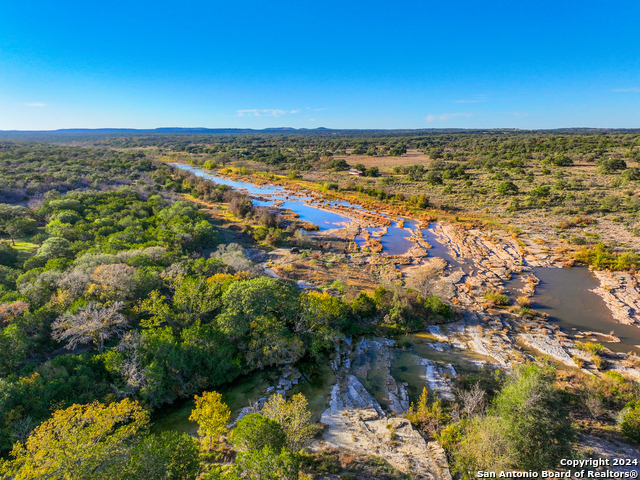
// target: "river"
[[564, 294]]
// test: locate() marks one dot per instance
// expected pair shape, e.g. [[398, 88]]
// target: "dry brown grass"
[[412, 157]]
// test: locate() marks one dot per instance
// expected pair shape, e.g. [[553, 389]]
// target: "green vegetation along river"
[[564, 294]]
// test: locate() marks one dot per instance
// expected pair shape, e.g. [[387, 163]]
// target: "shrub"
[[8, 255], [372, 172], [429, 418], [601, 258], [169, 455], [254, 432], [240, 205], [631, 174], [610, 165], [559, 160], [566, 224], [434, 178], [526, 429], [630, 421], [212, 416], [541, 191], [507, 188], [54, 247], [337, 164], [497, 298], [438, 307], [293, 417], [592, 348], [599, 362], [364, 306]]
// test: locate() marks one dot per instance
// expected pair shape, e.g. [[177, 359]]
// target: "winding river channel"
[[419, 360]]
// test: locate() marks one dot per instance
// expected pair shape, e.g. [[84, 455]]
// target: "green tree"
[[8, 255], [319, 321], [259, 311], [265, 464], [507, 188], [534, 418], [54, 247], [372, 172], [429, 418], [169, 455], [434, 178], [18, 227], [212, 415], [482, 446], [245, 302], [610, 165], [337, 164], [364, 306], [527, 427], [14, 346], [268, 464], [193, 298], [559, 160], [254, 432]]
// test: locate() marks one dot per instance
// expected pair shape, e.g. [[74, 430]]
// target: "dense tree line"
[[30, 170]]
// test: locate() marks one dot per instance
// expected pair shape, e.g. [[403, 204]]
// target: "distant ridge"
[[88, 133]]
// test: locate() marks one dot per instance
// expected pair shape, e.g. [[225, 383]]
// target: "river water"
[[564, 294], [394, 242]]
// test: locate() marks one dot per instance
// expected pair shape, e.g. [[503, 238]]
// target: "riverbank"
[[467, 266]]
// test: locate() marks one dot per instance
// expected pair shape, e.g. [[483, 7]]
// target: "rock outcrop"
[[621, 293], [355, 421]]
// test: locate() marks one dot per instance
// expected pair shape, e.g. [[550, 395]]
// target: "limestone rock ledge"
[[355, 421], [621, 293]]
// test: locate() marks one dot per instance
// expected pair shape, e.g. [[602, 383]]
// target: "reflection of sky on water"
[[565, 295], [394, 242], [325, 220]]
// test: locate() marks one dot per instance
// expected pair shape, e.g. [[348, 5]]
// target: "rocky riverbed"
[[469, 268], [621, 293]]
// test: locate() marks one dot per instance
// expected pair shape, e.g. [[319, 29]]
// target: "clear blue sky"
[[336, 64]]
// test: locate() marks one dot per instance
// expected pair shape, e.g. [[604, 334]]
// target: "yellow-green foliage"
[[497, 298], [78, 441], [430, 418], [293, 417], [601, 258], [212, 416]]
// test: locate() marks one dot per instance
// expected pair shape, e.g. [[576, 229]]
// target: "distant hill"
[[80, 134]]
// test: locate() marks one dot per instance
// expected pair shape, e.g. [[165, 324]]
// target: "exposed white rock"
[[621, 293], [435, 331], [548, 345], [437, 382], [355, 421]]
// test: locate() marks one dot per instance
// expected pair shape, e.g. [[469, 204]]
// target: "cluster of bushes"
[[526, 419], [519, 422], [266, 444], [395, 312], [602, 258]]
